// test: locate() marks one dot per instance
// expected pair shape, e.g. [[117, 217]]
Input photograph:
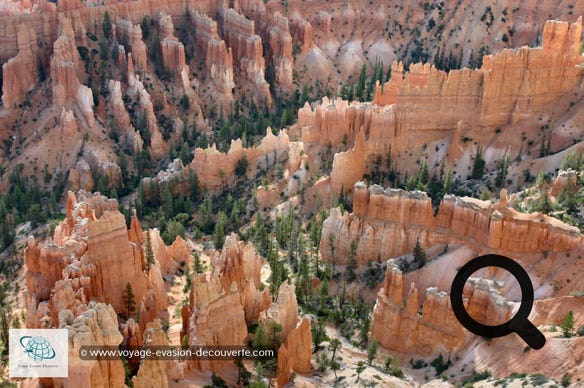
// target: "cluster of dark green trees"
[[364, 88]]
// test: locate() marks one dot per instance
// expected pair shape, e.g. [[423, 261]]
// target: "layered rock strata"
[[90, 248], [388, 223]]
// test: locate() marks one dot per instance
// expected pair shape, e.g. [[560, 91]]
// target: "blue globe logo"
[[37, 348]]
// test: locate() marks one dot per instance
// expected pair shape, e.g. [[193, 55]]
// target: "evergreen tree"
[[352, 264], [149, 253], [335, 366], [360, 369], [129, 300], [4, 330], [331, 240], [568, 324], [419, 255], [372, 351], [220, 226], [334, 345], [568, 196], [259, 341], [545, 204], [502, 170], [478, 167], [424, 175], [318, 334], [364, 331], [274, 339], [197, 265], [448, 182], [360, 88], [107, 26]]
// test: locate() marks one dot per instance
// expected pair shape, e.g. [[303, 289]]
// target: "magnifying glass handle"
[[530, 334]]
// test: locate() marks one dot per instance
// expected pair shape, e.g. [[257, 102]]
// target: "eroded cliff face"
[[156, 373], [468, 108], [412, 313], [82, 263], [216, 169], [19, 74], [295, 352], [222, 303], [97, 326], [387, 223], [398, 323]]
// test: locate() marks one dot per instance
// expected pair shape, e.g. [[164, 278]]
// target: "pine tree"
[[478, 167], [372, 351], [129, 300], [220, 226], [335, 366], [568, 324], [502, 170], [275, 339], [364, 331], [4, 330], [331, 240], [361, 83], [360, 369], [149, 253], [352, 265], [545, 204], [107, 25], [419, 255], [259, 341], [424, 175], [334, 345], [448, 182], [568, 196], [318, 334], [198, 266]]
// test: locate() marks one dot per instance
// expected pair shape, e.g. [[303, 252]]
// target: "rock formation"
[[19, 74], [223, 303], [246, 46], [382, 217], [173, 51], [295, 353], [83, 262], [158, 147], [133, 33], [394, 121], [401, 328], [97, 326], [126, 132], [66, 67], [216, 169], [156, 373], [218, 58], [216, 318], [240, 264], [280, 44]]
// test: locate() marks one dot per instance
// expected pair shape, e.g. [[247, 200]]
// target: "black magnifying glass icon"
[[518, 323]]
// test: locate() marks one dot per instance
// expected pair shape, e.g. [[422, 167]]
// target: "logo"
[[37, 348], [38, 353]]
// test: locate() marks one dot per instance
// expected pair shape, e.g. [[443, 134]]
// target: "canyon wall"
[[388, 223], [246, 46], [215, 169], [468, 108], [19, 74]]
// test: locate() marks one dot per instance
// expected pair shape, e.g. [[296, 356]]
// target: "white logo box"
[[38, 353]]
